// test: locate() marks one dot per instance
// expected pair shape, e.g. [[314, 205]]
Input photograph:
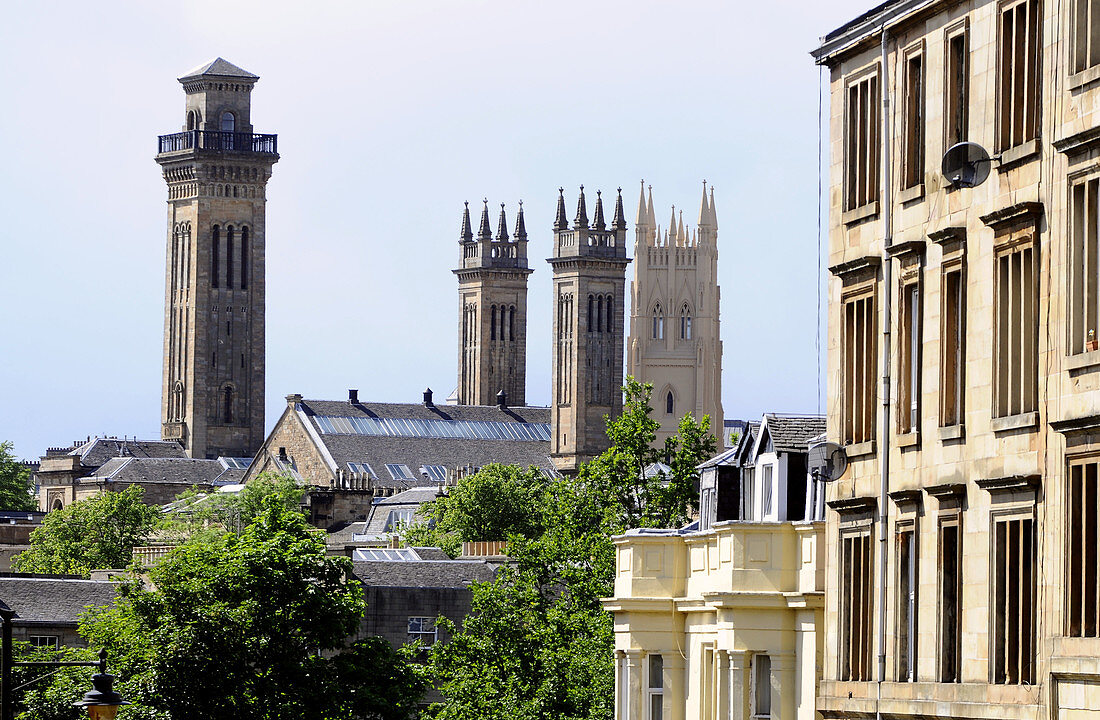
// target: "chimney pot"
[[428, 398], [353, 397], [502, 400]]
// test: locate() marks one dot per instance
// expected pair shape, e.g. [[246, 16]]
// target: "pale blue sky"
[[389, 115]]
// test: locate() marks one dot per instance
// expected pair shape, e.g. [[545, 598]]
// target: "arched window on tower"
[[493, 323], [215, 252], [227, 404], [685, 323], [668, 403], [192, 120], [177, 402], [599, 314], [591, 313], [658, 322], [229, 122], [503, 322], [244, 258], [229, 257], [511, 323], [610, 304]]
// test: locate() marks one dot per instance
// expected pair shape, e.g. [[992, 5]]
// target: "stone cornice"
[[852, 505], [1011, 483], [1079, 142], [907, 497], [906, 249], [945, 491], [1070, 426], [1013, 214], [865, 262], [948, 235]]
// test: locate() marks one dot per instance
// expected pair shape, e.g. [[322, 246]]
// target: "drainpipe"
[[887, 313]]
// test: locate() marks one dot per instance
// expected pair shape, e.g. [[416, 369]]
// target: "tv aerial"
[[966, 164], [827, 461]]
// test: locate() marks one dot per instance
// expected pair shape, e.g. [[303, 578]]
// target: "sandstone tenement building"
[[589, 265], [674, 342], [963, 370], [217, 171], [492, 290]]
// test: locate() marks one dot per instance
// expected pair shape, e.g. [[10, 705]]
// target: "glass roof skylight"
[[400, 472], [434, 428], [385, 554]]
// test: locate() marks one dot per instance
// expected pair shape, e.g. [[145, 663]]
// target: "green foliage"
[[15, 489], [91, 534], [51, 700], [206, 514], [537, 644], [491, 504]]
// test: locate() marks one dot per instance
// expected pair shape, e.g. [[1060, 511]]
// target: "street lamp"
[[102, 701]]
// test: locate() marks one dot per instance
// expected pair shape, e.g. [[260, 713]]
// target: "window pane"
[[763, 681]]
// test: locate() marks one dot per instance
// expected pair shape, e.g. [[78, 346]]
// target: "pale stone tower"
[[217, 172], [492, 293], [674, 327], [589, 266]]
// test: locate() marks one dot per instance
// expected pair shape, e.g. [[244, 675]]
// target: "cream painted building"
[[674, 342], [724, 623], [965, 573]]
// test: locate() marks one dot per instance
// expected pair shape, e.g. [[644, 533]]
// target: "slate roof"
[[792, 433], [414, 452], [423, 574], [221, 68], [53, 601], [97, 451], [181, 471]]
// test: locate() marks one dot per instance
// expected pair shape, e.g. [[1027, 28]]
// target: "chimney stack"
[[428, 398], [353, 397]]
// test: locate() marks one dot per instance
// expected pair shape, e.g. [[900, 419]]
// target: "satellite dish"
[[966, 165], [827, 461]]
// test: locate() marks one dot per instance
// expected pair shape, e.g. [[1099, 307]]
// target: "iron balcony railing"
[[217, 140]]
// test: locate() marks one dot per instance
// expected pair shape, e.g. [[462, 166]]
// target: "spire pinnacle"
[[581, 221], [650, 214], [672, 225], [560, 222], [502, 226], [597, 220], [680, 234], [704, 209], [643, 214], [467, 232], [485, 232], [521, 229], [713, 211], [619, 221]]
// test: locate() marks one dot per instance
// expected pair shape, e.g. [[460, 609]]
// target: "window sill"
[[1083, 360], [908, 439], [855, 450], [859, 213], [1019, 154], [952, 432], [1023, 421], [910, 194], [1084, 77]]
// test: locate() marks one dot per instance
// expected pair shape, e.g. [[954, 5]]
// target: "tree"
[[538, 644], [15, 489], [251, 627], [91, 534], [496, 501], [200, 513]]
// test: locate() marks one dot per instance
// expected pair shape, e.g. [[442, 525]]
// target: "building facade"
[[675, 343], [962, 364], [492, 292], [589, 266], [216, 170], [723, 622]]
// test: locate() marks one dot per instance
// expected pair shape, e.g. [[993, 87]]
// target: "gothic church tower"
[[674, 327], [589, 265], [492, 290], [217, 172]]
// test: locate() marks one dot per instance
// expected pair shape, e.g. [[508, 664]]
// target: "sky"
[[390, 114]]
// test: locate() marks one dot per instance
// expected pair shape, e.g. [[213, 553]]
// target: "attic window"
[[400, 472], [361, 469]]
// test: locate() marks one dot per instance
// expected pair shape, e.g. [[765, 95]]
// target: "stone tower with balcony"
[[492, 292], [674, 341], [589, 265], [217, 171]]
